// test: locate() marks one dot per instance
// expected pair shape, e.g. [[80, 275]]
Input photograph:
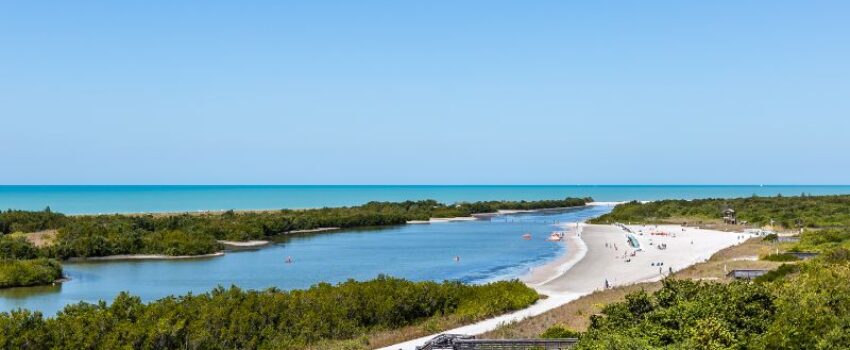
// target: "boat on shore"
[[556, 236]]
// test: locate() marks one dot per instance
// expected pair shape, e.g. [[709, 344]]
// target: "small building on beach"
[[729, 216], [745, 274]]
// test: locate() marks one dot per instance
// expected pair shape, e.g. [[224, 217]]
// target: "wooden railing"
[[462, 342], [514, 344]]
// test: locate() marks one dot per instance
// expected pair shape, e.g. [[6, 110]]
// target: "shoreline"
[[575, 251], [269, 210], [603, 255], [126, 257], [477, 216], [245, 244], [256, 244]]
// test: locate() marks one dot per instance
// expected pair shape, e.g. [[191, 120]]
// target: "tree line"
[[194, 234]]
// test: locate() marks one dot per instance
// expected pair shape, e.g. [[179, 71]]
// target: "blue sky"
[[429, 92]]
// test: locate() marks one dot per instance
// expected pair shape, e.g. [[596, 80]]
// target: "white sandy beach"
[[441, 220], [245, 244], [596, 253], [145, 257]]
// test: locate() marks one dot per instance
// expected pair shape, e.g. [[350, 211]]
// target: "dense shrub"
[[236, 319], [29, 221], [789, 212], [18, 273], [820, 240], [781, 257], [683, 314], [558, 331], [777, 273], [17, 248]]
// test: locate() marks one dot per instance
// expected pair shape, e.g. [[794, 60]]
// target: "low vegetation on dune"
[[804, 306], [323, 316], [786, 212]]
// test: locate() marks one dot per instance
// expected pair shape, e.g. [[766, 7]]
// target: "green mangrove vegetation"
[[29, 221], [29, 272], [22, 264], [231, 318], [195, 234]]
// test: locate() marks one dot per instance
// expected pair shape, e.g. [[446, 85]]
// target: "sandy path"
[[592, 258]]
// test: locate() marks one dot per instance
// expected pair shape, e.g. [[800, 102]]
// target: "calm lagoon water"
[[489, 249], [124, 199]]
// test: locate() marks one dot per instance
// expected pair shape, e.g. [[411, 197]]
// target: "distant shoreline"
[[129, 199], [256, 244], [129, 257]]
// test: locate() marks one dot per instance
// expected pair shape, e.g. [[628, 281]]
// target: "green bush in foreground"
[[799, 306], [781, 257], [236, 319], [558, 331], [778, 273], [20, 273], [687, 314]]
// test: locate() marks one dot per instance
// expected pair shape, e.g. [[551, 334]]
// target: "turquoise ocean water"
[[124, 199]]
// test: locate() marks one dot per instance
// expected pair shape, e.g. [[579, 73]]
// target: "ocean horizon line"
[[429, 185]]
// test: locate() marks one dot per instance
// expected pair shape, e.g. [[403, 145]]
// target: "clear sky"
[[424, 92]]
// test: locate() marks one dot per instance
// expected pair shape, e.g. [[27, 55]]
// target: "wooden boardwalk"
[[463, 342]]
